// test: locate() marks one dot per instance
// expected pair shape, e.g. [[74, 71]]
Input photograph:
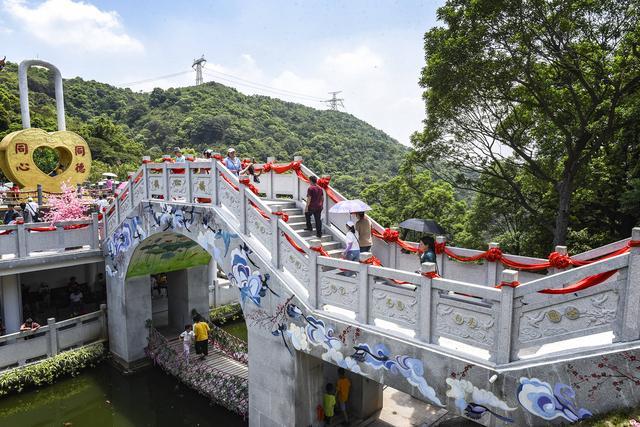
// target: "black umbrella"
[[423, 226]]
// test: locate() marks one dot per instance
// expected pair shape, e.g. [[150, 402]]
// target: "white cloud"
[[353, 63], [75, 24]]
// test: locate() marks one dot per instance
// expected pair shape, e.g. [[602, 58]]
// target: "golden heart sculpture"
[[16, 158]]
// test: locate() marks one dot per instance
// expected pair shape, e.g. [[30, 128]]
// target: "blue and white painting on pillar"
[[252, 285], [474, 402], [120, 242], [378, 357], [315, 334], [544, 401]]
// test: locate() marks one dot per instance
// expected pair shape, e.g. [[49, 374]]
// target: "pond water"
[[102, 397]]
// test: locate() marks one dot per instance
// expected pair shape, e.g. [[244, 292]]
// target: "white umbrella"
[[109, 174], [349, 206]]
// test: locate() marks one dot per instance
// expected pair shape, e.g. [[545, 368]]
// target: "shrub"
[[49, 370], [220, 315]]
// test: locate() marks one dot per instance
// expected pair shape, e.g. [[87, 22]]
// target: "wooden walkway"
[[216, 359]]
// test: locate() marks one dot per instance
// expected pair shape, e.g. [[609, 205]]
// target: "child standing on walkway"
[[328, 404], [187, 336], [342, 392]]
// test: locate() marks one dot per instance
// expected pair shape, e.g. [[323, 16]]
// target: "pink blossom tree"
[[66, 206]]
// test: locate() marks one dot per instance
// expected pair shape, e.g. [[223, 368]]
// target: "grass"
[[620, 418], [237, 329]]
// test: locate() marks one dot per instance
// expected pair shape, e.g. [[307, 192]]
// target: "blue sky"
[[371, 50]]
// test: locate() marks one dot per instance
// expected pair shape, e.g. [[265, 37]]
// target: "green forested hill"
[[121, 126]]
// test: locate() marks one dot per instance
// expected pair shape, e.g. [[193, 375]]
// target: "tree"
[[65, 207], [528, 90]]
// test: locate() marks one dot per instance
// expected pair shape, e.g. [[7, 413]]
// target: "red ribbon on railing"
[[373, 260], [5, 232], [431, 274], [235, 187], [324, 184], [634, 243], [322, 251], [585, 283], [260, 211], [53, 228], [283, 216], [293, 243], [391, 236], [513, 284], [253, 188]]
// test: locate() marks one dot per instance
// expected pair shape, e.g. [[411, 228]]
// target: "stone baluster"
[[562, 250], [104, 332], [165, 179], [630, 329], [215, 180], [53, 336], [21, 235], [362, 315], [426, 286], [272, 174], [296, 181], [505, 318], [145, 176], [95, 226], [314, 290], [441, 259], [189, 181], [242, 199], [275, 237], [492, 267]]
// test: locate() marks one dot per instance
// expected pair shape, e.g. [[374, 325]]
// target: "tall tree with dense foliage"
[[529, 93]]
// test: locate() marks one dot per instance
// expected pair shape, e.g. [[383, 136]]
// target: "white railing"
[[462, 304], [23, 347], [23, 240]]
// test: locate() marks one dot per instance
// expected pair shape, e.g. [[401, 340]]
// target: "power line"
[[266, 86], [153, 79], [264, 89]]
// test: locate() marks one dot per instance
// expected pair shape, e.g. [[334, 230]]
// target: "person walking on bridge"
[[201, 331], [315, 200], [363, 229]]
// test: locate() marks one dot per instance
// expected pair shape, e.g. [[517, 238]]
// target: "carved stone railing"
[[21, 347], [25, 240], [460, 304]]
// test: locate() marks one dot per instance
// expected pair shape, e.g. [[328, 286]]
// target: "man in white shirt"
[[102, 203], [33, 209]]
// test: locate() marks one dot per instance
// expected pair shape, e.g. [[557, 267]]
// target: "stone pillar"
[[11, 302], [272, 381], [198, 290], [178, 299], [129, 302], [212, 282]]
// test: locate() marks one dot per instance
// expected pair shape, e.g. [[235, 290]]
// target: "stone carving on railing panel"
[[178, 187], [156, 184], [474, 326], [112, 220], [293, 261], [577, 314], [395, 305], [201, 185], [138, 192], [229, 198], [340, 291], [259, 227]]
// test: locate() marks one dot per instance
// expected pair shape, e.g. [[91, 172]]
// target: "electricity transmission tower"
[[197, 65], [334, 102]]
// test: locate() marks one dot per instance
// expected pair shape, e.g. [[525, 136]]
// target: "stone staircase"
[[297, 221]]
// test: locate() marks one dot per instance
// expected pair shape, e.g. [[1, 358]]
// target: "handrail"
[[572, 275]]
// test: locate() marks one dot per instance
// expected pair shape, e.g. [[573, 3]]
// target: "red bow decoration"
[[247, 182], [390, 236], [439, 247], [322, 251], [493, 254], [559, 260], [513, 284], [324, 182], [372, 260], [266, 167], [431, 274]]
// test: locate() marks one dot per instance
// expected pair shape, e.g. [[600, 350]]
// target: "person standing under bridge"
[[201, 331], [315, 200]]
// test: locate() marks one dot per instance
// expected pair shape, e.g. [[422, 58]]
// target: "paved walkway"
[[400, 410]]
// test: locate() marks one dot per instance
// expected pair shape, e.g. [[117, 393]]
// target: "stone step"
[[329, 246], [310, 235], [293, 211], [335, 253], [297, 225], [297, 218], [285, 204]]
